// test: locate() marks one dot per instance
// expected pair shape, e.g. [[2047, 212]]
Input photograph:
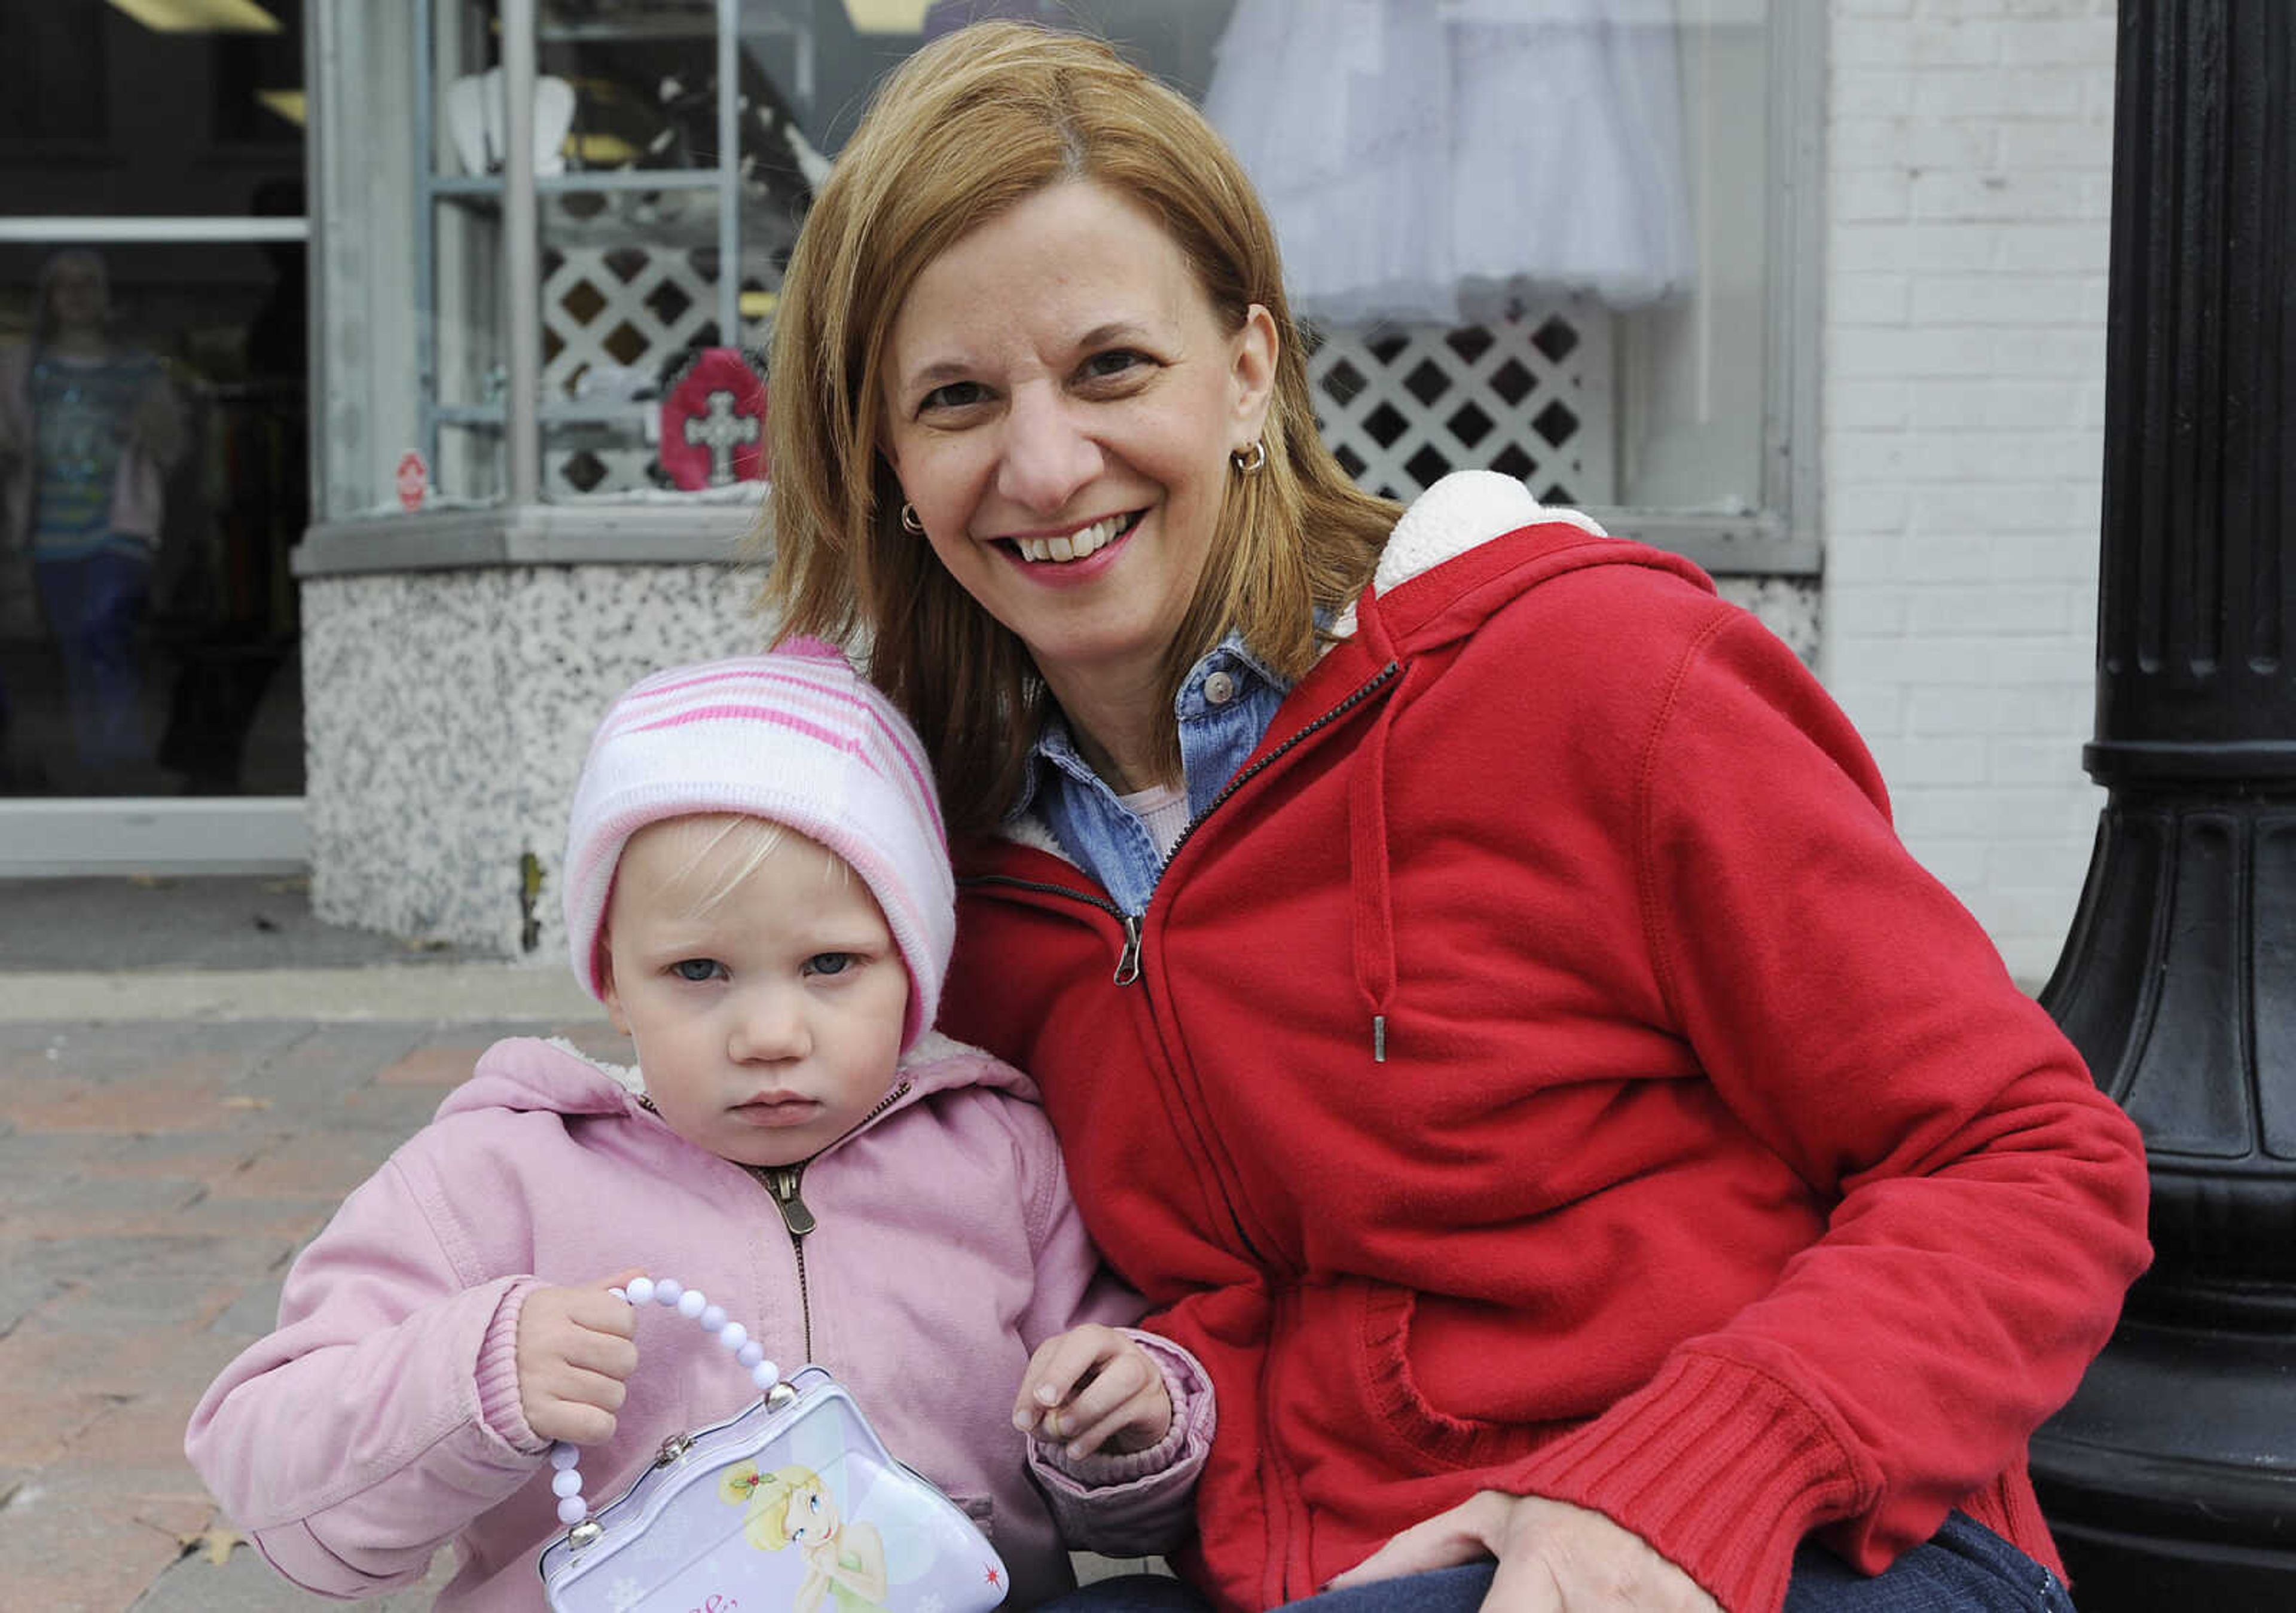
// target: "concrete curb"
[[487, 992]]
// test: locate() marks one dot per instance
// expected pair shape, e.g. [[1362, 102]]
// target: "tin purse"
[[794, 1504]]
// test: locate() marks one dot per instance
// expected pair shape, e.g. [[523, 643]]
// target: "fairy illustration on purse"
[[790, 1506], [794, 1504]]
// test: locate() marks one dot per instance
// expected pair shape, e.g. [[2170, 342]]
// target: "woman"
[[1481, 998]]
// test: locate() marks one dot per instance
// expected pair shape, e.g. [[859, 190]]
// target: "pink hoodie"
[[381, 1419]]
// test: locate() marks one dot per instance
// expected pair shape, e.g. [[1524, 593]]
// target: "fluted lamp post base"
[[2165, 1488], [2170, 1477]]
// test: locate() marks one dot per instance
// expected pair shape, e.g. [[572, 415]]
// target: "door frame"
[[56, 836]]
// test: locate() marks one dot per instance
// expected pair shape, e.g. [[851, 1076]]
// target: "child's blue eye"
[[696, 970], [829, 962]]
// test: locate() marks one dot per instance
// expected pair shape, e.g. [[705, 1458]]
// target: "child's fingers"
[[599, 1311], [1133, 1424], [1058, 1366], [561, 1400], [570, 1385], [608, 1355], [573, 1421], [1126, 1395], [596, 1306]]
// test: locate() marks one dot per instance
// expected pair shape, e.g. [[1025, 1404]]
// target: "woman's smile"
[[1061, 557]]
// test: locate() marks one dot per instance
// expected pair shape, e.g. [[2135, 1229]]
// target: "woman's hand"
[[1553, 1558], [1093, 1386], [575, 1353]]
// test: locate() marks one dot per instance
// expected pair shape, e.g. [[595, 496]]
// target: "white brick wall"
[[1969, 157]]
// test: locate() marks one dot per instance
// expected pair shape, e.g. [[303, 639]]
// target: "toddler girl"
[[758, 889]]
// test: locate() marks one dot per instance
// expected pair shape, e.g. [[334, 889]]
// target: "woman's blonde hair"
[[962, 130]]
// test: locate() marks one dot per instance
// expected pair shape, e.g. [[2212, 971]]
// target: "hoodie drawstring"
[[1373, 911]]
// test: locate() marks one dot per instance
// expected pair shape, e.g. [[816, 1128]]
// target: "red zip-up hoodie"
[[1544, 1070]]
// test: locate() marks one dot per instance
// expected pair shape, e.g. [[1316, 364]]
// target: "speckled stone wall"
[[446, 713], [1787, 606], [446, 717]]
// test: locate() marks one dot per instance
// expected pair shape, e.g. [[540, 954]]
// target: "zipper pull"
[[782, 1181], [1127, 967]]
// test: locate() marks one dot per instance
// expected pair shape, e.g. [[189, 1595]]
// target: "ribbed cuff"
[[1193, 1419], [1143, 1503], [1718, 1465], [499, 1407]]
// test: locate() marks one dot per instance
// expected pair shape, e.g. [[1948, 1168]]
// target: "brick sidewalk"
[[156, 1178]]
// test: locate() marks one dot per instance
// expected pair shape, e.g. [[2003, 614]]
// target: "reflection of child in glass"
[[88, 431], [791, 1507], [758, 888]]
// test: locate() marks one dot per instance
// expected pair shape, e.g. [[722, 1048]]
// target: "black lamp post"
[[2171, 1477]]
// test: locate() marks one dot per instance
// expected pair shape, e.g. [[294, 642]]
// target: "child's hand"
[[574, 1355], [1093, 1386]]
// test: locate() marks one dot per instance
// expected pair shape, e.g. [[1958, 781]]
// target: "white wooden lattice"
[[578, 461], [630, 306], [1528, 396]]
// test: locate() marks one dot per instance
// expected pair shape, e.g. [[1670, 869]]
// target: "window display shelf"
[[494, 417], [530, 284], [490, 186]]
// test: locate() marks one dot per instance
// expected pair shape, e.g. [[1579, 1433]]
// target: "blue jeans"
[[95, 604], [1965, 1569]]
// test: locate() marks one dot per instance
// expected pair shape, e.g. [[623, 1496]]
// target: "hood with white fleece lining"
[[1461, 512]]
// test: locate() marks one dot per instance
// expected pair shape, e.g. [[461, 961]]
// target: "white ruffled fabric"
[[1425, 160]]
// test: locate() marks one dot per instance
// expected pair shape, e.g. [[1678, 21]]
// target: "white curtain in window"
[[1425, 160]]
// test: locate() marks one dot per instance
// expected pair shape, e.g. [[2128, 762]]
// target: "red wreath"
[[713, 420]]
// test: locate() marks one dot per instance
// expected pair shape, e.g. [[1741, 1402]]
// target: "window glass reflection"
[[152, 480], [153, 447]]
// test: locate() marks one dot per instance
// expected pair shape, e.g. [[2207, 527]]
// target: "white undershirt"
[[1164, 809]]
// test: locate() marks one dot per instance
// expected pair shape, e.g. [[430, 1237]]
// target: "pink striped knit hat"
[[797, 737]]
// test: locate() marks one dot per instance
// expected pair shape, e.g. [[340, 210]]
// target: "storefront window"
[[153, 400], [1541, 236]]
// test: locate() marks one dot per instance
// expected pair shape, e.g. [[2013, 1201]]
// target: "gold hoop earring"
[[909, 521], [1249, 459]]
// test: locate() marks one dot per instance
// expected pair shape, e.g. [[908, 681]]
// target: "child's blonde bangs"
[[717, 854]]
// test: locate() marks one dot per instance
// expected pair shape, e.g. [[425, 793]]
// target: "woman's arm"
[[382, 1416], [157, 427], [1989, 1201]]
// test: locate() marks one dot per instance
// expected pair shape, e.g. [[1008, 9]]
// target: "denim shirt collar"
[[1094, 826], [1055, 750]]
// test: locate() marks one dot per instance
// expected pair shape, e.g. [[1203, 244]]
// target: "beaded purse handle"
[[691, 1303]]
